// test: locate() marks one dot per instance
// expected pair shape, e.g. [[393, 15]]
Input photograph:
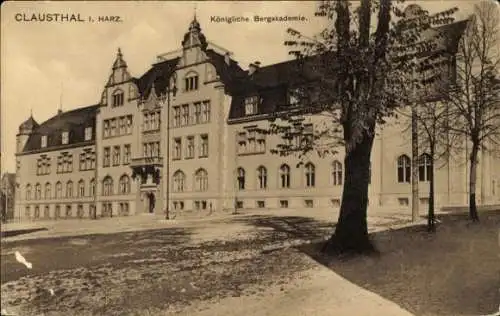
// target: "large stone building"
[[189, 131]]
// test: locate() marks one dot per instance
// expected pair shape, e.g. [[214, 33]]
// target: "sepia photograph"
[[220, 158]]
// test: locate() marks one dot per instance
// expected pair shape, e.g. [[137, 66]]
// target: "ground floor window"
[[335, 202], [178, 205], [261, 204], [284, 203], [79, 211], [124, 209], [239, 204], [46, 212], [68, 211], [200, 205], [37, 212], [57, 212], [27, 212], [403, 201], [308, 203], [107, 210]]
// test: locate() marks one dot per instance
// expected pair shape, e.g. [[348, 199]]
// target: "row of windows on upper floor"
[[190, 147], [107, 189], [65, 162], [190, 114], [114, 158], [117, 126], [65, 137]]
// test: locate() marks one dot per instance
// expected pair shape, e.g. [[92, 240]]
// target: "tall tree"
[[359, 62], [474, 100]]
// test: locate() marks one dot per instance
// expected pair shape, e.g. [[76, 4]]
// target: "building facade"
[[188, 135]]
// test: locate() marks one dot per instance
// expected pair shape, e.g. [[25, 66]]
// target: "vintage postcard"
[[250, 158]]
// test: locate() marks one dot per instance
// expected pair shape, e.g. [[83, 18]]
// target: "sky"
[[48, 64]]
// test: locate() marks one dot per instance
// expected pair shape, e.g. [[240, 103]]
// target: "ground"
[[230, 265]]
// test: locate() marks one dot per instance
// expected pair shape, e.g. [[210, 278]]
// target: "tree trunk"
[[351, 232], [431, 221], [472, 183]]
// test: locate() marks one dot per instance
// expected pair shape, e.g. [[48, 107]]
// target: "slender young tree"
[[474, 99], [352, 75]]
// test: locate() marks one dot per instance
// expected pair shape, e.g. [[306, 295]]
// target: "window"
[[337, 173], [179, 181], [28, 192], [37, 212], [116, 155], [117, 98], [43, 165], [44, 141], [126, 154], [107, 209], [65, 138], [190, 147], [146, 125], [201, 180], [261, 204], [178, 205], [106, 157], [177, 116], [335, 202], [128, 125], [197, 113], [107, 186], [57, 211], [79, 211], [38, 191], [68, 211], [124, 184], [122, 126], [191, 83], [251, 105], [92, 187], [283, 203], [241, 178], [106, 131], [293, 97], [27, 212], [308, 203], [424, 168], [285, 176], [48, 189], [310, 175], [81, 188], [88, 133], [69, 189], [404, 169], [205, 112], [65, 163], [262, 177], [204, 145], [177, 148], [242, 143], [185, 115], [239, 204], [112, 127], [58, 190], [124, 209], [403, 201]]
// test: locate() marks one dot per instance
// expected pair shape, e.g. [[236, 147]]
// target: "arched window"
[[424, 168], [124, 184], [92, 187], [337, 173], [201, 180], [310, 175], [107, 186], [58, 190], [404, 169], [262, 177], [28, 191], [285, 176], [241, 178], [69, 189], [48, 189], [81, 188], [117, 98], [38, 191], [179, 181]]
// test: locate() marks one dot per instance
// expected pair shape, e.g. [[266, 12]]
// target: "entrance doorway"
[[150, 196]]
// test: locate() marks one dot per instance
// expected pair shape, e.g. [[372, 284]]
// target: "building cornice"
[[56, 148]]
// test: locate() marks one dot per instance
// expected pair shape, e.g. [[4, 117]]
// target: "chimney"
[[253, 67], [227, 60]]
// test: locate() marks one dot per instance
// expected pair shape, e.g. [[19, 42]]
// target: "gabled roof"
[[74, 122], [160, 74]]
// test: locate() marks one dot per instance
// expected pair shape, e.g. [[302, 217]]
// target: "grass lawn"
[[455, 271]]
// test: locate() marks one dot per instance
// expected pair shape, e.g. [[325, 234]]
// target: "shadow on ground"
[[452, 272], [17, 232]]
